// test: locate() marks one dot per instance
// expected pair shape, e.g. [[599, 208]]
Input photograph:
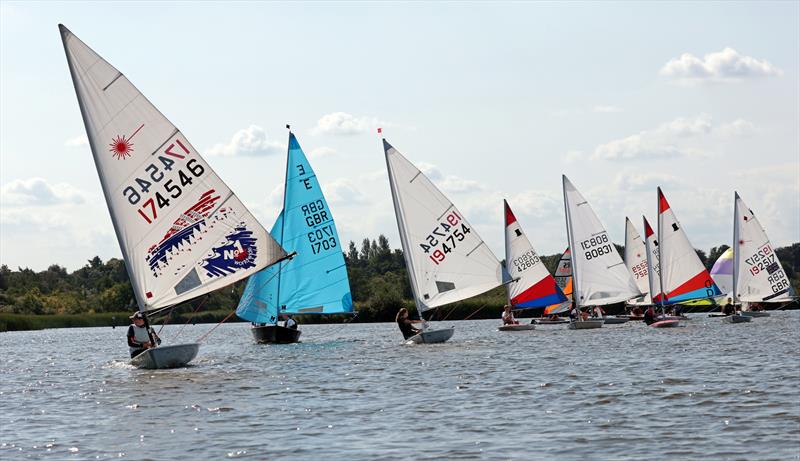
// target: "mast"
[[660, 246], [735, 244], [401, 229], [131, 273], [575, 291], [283, 223]]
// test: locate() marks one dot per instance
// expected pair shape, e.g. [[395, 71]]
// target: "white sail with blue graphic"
[[181, 229], [315, 280]]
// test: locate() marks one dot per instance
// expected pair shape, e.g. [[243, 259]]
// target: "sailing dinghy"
[[758, 276], [182, 231], [654, 275], [599, 276], [446, 259], [636, 262], [315, 280], [531, 284], [682, 276], [563, 277]]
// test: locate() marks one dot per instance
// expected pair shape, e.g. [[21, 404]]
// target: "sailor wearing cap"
[[140, 336]]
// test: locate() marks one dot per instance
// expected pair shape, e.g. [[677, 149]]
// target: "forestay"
[[315, 280], [636, 262], [683, 276], [531, 285], [758, 275], [599, 275], [182, 231], [563, 277], [446, 258], [653, 264]]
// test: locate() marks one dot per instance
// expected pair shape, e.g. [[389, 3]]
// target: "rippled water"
[[708, 390]]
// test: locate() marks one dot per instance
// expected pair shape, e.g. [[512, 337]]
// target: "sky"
[[492, 101]]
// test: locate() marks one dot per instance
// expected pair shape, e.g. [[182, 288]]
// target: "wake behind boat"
[[182, 232]]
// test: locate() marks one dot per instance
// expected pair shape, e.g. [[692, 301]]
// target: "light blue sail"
[[315, 280]]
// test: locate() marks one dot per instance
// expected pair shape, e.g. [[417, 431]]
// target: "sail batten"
[[181, 230], [446, 259], [599, 275]]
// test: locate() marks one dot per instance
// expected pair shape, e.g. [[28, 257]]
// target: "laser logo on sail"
[[121, 146]]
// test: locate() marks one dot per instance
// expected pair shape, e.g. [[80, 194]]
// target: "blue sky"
[[492, 100]]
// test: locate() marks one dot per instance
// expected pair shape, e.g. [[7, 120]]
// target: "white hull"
[[586, 325], [432, 336], [526, 327], [175, 356], [737, 319], [551, 322]]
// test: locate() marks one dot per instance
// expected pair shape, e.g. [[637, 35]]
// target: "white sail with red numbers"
[[759, 276], [653, 265], [446, 259], [181, 230], [598, 273], [636, 262]]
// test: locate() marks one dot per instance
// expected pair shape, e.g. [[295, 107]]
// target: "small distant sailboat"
[[182, 231], [758, 276], [654, 275], [599, 275], [446, 259], [315, 280], [531, 284], [722, 271], [563, 277], [682, 275]]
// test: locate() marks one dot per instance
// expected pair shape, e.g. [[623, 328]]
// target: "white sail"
[[446, 258], [653, 265], [758, 275], [636, 262], [181, 230], [683, 276], [599, 275], [531, 285]]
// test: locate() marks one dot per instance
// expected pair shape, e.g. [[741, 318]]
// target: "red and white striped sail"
[[636, 262], [599, 275], [532, 285], [653, 276], [758, 274], [181, 230], [446, 259], [683, 276]]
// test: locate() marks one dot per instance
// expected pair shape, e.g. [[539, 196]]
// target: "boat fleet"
[[184, 233]]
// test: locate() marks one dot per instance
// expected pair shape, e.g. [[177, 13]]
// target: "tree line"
[[378, 280]]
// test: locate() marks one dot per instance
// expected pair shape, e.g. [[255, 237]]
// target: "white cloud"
[[38, 192], [572, 156], [721, 66], [633, 181], [320, 152], [680, 137], [606, 109], [737, 128], [78, 141], [342, 123], [251, 141], [343, 191], [449, 183]]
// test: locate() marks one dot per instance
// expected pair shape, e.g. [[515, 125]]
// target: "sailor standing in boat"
[[140, 337]]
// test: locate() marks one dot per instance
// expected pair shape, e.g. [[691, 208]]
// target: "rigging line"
[[201, 338], [191, 316], [479, 309]]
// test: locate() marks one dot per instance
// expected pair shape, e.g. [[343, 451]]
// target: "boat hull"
[[432, 336], [275, 334], [615, 320], [176, 356], [755, 314], [586, 325], [526, 327], [665, 324], [551, 322], [737, 319]]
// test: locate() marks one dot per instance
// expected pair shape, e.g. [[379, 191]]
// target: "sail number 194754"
[[446, 235]]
